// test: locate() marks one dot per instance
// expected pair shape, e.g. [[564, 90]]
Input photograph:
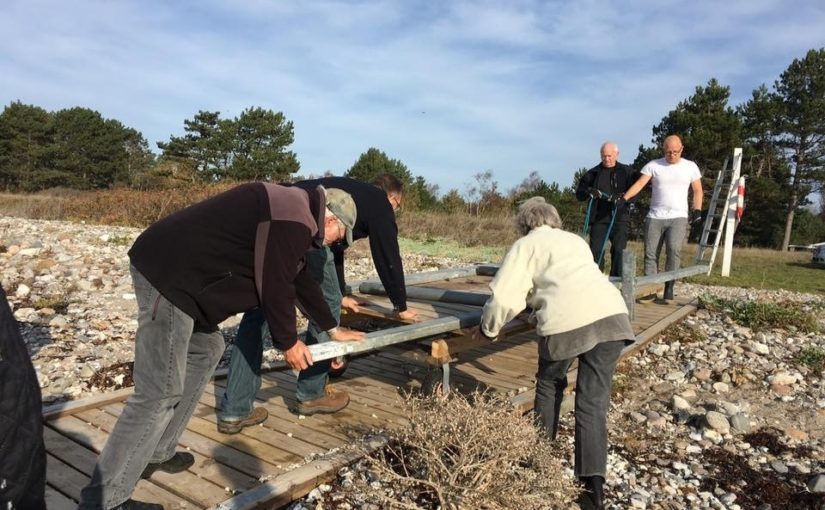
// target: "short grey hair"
[[536, 212]]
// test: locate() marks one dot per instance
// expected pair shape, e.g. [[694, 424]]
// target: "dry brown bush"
[[123, 206], [462, 452]]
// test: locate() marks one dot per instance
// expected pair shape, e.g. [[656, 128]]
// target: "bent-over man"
[[238, 250], [375, 203]]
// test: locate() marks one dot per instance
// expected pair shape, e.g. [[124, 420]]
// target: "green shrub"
[[762, 315]]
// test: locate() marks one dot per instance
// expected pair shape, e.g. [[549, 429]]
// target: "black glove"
[[695, 217], [620, 202], [593, 192]]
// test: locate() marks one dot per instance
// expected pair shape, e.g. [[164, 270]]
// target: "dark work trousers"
[[593, 383], [22, 454], [618, 242]]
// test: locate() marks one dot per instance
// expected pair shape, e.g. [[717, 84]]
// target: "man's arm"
[[637, 187], [386, 256], [286, 244], [585, 182], [696, 186]]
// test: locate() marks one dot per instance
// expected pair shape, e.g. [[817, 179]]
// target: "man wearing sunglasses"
[[673, 176]]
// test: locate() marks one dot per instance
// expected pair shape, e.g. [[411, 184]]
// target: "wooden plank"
[[320, 424], [73, 449], [524, 401], [293, 485], [282, 386], [57, 501], [367, 406], [66, 408], [64, 477], [206, 466]]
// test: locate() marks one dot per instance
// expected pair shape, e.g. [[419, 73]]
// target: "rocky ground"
[[711, 415]]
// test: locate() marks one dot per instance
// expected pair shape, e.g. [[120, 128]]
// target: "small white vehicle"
[[819, 255]]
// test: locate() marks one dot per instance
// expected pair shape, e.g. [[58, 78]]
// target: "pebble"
[[816, 484], [718, 422]]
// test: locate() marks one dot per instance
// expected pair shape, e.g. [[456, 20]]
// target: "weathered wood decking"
[[264, 467]]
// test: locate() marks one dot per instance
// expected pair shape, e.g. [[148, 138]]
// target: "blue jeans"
[[593, 383], [244, 378], [173, 364]]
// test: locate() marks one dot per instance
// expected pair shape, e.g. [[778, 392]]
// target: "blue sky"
[[451, 88]]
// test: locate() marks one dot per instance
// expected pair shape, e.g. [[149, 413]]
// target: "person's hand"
[[593, 192], [407, 315], [346, 335], [298, 356], [351, 304], [477, 335], [695, 216], [621, 201], [337, 363]]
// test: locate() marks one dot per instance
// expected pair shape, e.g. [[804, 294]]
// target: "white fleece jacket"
[[552, 271]]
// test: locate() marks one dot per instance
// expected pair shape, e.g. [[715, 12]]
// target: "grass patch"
[[683, 334], [759, 315], [813, 357], [440, 247], [58, 303]]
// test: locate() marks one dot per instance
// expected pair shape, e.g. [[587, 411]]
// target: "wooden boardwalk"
[[265, 466]]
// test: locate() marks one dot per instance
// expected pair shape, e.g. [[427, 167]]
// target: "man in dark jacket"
[[22, 454], [238, 250], [604, 183], [376, 204]]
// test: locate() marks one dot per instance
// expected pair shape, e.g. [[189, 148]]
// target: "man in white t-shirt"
[[668, 217]]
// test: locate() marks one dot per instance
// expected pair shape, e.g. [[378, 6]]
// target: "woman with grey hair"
[[578, 314]]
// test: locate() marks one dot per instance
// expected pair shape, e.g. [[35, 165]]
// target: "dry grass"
[[468, 452]]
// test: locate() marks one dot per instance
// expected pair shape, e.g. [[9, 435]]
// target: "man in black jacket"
[[238, 250], [376, 204], [604, 184], [22, 454]]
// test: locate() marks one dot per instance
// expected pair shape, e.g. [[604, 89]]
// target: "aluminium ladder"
[[717, 214]]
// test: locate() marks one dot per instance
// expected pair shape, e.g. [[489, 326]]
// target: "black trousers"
[[22, 453], [618, 242]]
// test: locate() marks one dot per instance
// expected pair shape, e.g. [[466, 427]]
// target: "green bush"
[[762, 315]]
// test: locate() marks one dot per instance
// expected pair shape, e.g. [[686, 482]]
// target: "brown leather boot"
[[258, 415], [332, 402]]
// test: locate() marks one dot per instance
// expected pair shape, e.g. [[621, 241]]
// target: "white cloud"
[[449, 88]]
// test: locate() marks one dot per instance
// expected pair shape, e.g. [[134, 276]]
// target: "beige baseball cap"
[[343, 207]]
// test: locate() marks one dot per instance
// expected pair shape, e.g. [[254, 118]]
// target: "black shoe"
[[668, 295], [592, 497], [181, 461], [131, 504]]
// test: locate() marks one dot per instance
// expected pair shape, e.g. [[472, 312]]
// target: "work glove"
[[620, 202], [695, 217], [593, 192]]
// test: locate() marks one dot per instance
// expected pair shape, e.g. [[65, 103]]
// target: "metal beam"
[[671, 275], [377, 339], [431, 294]]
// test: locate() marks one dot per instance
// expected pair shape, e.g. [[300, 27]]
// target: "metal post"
[[431, 294], [730, 225], [376, 339], [629, 281], [445, 378]]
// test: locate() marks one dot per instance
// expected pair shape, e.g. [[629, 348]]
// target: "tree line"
[[781, 129]]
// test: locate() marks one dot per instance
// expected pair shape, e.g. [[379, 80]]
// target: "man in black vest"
[[604, 183]]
